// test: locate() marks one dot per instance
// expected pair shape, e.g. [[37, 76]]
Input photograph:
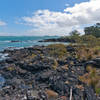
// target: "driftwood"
[[70, 93]]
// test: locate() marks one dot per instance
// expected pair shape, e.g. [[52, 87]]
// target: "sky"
[[46, 17]]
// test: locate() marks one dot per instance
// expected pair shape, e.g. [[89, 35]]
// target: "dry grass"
[[91, 78], [87, 53], [65, 67], [10, 68], [55, 64], [57, 50], [51, 94]]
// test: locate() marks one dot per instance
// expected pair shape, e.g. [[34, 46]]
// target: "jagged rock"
[[28, 76]]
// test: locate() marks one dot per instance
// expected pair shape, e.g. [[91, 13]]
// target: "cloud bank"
[[45, 22]]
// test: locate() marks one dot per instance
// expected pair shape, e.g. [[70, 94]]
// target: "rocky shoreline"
[[33, 74], [61, 39]]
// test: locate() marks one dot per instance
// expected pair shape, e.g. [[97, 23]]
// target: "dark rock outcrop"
[[29, 73], [59, 40]]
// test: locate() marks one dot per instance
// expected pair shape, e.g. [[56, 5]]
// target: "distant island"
[[55, 71]]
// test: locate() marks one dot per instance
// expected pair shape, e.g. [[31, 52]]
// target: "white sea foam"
[[5, 41], [3, 56]]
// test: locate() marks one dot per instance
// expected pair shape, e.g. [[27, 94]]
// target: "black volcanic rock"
[[15, 41], [29, 72], [59, 40], [94, 63]]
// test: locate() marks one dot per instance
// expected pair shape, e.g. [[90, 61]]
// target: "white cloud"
[[47, 22], [2, 23]]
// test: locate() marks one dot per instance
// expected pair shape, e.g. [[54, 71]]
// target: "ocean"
[[22, 41]]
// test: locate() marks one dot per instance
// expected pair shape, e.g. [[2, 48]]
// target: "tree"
[[74, 33], [93, 30]]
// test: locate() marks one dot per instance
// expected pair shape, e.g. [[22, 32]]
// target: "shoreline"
[[39, 72]]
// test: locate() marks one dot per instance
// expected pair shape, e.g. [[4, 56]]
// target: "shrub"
[[92, 78], [57, 50], [93, 30], [97, 90], [89, 40], [87, 53], [84, 53]]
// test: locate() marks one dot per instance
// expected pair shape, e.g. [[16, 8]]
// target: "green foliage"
[[91, 37], [89, 40], [97, 90], [75, 36], [93, 30], [74, 33]]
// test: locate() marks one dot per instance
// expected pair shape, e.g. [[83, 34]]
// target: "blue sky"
[[15, 16]]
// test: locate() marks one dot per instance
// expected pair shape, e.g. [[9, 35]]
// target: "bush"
[[89, 40], [93, 30], [91, 78], [83, 53], [87, 53], [57, 50]]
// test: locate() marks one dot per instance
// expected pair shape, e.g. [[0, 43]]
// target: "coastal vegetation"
[[56, 71], [87, 47], [57, 50], [93, 30], [92, 78], [90, 38]]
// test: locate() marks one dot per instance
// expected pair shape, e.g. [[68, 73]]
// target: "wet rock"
[[15, 41], [9, 61], [59, 40]]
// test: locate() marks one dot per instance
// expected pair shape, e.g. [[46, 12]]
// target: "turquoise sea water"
[[23, 41]]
